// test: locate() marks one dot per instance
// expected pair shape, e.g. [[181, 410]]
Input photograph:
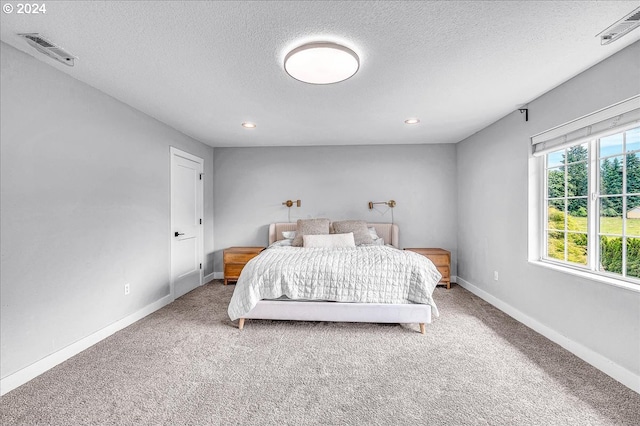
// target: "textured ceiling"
[[206, 67]]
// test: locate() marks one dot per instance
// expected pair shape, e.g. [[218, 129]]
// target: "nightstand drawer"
[[241, 258], [232, 270], [439, 260]]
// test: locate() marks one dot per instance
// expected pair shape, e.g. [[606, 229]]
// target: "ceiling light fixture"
[[411, 121], [321, 63], [248, 125]]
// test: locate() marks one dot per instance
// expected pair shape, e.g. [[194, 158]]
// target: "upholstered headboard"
[[386, 231]]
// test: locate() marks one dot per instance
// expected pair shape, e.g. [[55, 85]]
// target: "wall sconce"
[[289, 204], [390, 203]]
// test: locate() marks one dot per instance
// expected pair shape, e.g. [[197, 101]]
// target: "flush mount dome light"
[[321, 63]]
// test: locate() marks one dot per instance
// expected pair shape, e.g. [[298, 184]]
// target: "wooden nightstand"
[[235, 258], [441, 258]]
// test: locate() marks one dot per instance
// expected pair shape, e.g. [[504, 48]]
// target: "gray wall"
[[85, 208], [492, 219], [336, 182]]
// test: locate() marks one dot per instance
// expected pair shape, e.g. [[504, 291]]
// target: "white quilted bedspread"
[[366, 274]]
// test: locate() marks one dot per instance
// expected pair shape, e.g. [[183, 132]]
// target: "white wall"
[[336, 182], [85, 208], [492, 220]]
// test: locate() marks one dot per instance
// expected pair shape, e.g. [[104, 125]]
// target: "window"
[[590, 209], [611, 243]]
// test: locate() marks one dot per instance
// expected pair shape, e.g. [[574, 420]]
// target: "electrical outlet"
[[126, 289], [495, 275]]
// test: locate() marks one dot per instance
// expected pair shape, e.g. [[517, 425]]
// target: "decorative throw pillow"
[[377, 241], [330, 240], [288, 235], [373, 233], [358, 227], [310, 227]]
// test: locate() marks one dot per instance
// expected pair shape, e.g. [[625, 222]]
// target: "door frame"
[[175, 152]]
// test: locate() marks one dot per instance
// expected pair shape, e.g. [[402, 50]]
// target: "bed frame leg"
[[422, 328], [241, 324]]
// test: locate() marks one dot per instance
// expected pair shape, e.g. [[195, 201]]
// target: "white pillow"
[[373, 233], [329, 240], [282, 243], [377, 241], [288, 235]]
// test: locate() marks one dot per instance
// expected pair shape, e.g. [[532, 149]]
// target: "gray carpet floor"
[[189, 364]]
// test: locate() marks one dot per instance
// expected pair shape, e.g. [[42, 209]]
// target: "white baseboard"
[[619, 373], [218, 275], [21, 377], [208, 278]]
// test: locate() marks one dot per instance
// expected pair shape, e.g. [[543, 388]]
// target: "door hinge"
[[201, 266], [200, 176], [200, 221]]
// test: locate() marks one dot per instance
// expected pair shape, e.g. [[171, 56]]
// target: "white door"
[[186, 222]]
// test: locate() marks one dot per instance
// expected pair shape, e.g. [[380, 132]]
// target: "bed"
[[272, 286]]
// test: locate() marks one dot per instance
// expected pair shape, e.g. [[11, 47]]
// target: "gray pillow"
[[310, 227], [358, 227]]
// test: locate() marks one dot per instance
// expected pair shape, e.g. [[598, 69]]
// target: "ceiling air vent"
[[43, 45], [620, 28]]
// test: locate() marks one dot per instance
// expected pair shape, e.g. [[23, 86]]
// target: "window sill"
[[587, 275]]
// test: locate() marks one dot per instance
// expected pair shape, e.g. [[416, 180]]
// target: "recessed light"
[[248, 125], [411, 121], [321, 63]]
